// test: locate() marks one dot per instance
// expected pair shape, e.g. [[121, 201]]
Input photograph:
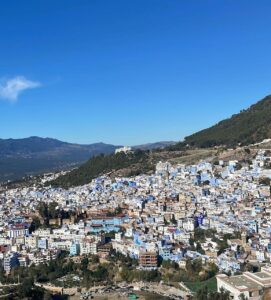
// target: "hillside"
[[37, 155], [131, 163], [34, 155], [125, 165], [249, 126], [152, 146]]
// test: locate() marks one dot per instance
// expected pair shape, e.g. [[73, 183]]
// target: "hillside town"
[[216, 212]]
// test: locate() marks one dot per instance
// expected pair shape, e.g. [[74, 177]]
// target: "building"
[[148, 260], [74, 249], [123, 149], [10, 261], [105, 224], [23, 261], [104, 250], [17, 230], [31, 241], [43, 243], [252, 285]]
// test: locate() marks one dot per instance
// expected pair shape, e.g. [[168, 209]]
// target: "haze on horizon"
[[129, 72]]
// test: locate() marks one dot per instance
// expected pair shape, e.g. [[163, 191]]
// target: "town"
[[215, 214]]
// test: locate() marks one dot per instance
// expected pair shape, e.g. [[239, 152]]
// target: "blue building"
[[42, 244], [10, 262], [165, 253], [199, 220], [106, 224], [74, 249]]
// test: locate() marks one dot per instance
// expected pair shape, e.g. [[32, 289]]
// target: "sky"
[[129, 72]]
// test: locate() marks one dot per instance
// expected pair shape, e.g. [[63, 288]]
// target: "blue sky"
[[129, 72]]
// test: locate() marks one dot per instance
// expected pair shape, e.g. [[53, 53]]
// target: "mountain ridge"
[[249, 126], [35, 155]]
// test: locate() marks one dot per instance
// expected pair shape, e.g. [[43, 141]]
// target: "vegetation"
[[137, 162], [264, 181], [24, 157], [200, 236], [205, 294], [90, 271], [35, 225], [155, 297], [195, 271], [140, 275], [41, 273], [48, 212], [195, 286], [117, 211], [34, 155], [235, 130], [230, 133]]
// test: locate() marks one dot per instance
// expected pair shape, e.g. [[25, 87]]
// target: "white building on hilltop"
[[124, 149]]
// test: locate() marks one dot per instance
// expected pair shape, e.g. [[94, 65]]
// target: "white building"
[[251, 285], [124, 149]]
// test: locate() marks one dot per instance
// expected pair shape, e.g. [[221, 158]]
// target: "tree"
[[35, 224], [168, 264], [43, 209], [205, 294], [264, 181], [84, 264], [100, 274], [199, 234], [212, 270], [173, 220], [194, 267], [95, 259], [25, 289], [47, 296], [202, 294], [199, 248], [53, 213]]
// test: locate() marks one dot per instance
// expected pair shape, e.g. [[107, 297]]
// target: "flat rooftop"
[[262, 275], [242, 283]]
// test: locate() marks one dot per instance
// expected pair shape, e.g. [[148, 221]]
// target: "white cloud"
[[10, 89]]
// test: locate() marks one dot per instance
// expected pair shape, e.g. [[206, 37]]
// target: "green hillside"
[[249, 126], [131, 164]]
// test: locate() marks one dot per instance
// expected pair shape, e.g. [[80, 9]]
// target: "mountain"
[[34, 155], [251, 125], [152, 146], [129, 164]]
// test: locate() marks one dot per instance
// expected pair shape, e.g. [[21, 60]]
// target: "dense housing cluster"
[[213, 213]]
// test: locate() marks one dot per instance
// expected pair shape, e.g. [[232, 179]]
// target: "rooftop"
[[241, 282]]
